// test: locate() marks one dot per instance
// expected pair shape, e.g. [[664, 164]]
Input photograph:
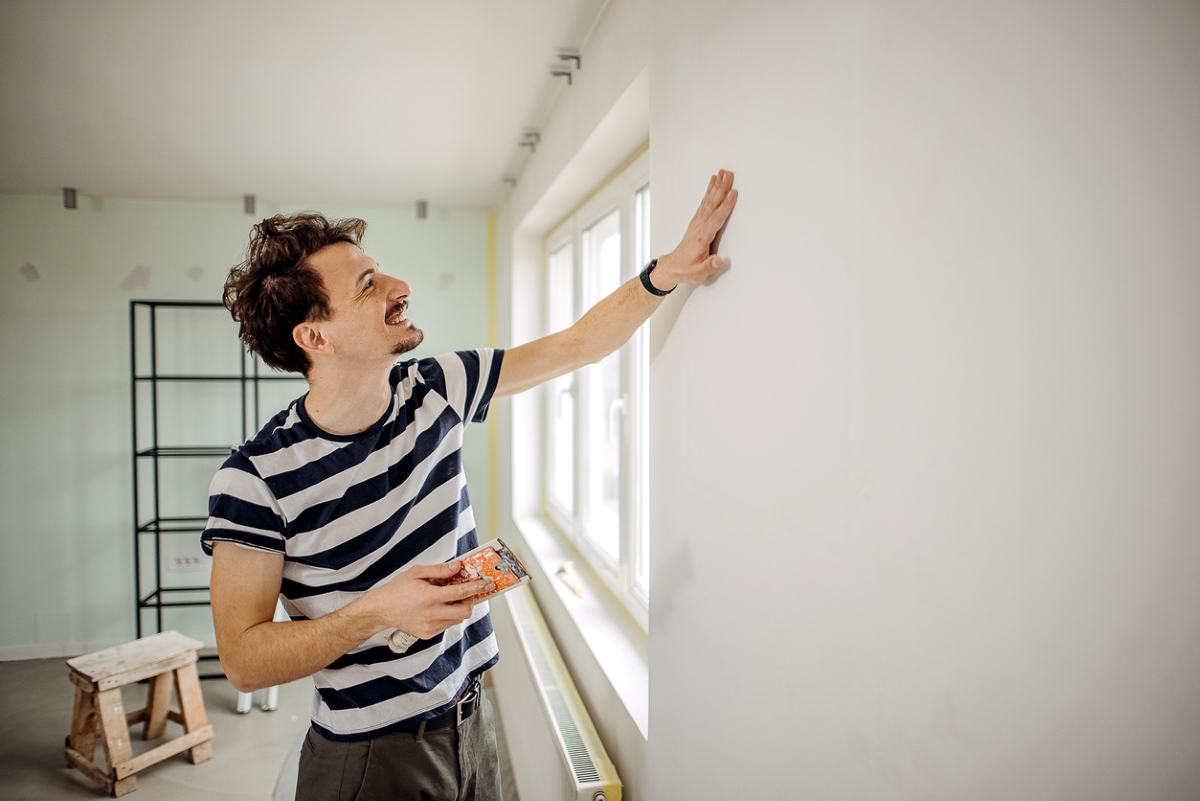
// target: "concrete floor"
[[249, 751], [254, 755]]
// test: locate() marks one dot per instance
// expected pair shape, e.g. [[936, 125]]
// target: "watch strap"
[[650, 287]]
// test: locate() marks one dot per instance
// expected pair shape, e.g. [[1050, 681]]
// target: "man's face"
[[368, 321]]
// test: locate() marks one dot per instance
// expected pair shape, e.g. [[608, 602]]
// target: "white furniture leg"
[[245, 701]]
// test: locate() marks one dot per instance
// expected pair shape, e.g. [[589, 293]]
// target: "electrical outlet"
[[186, 562]]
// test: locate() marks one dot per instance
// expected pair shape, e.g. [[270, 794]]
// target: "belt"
[[463, 708]]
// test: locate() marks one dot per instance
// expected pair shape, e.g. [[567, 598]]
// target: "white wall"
[[66, 542], [614, 57], [950, 383], [925, 462]]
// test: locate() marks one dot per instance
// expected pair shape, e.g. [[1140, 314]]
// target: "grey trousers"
[[451, 764]]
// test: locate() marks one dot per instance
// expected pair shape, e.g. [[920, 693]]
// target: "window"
[[596, 482]]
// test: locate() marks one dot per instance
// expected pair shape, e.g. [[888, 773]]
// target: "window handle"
[[558, 402], [614, 408], [570, 578]]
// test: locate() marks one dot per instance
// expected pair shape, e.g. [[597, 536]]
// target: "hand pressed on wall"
[[695, 261]]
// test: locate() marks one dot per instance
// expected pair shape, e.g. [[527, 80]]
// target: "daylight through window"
[[597, 459]]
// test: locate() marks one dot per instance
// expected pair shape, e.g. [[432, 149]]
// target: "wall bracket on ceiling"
[[531, 139], [249, 203], [69, 199], [508, 179], [422, 209], [572, 57], [561, 74]]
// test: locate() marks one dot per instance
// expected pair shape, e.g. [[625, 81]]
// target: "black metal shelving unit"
[[148, 530]]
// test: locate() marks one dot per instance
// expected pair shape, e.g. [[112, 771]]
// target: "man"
[[351, 504]]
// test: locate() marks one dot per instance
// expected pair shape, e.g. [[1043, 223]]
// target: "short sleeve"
[[242, 509], [467, 378]]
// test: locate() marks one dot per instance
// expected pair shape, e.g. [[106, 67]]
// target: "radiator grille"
[[581, 761]]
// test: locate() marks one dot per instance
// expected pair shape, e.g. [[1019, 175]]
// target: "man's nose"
[[399, 289]]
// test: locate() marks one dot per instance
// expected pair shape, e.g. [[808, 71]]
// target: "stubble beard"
[[410, 340]]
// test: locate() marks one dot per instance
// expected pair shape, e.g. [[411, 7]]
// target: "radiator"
[[555, 752]]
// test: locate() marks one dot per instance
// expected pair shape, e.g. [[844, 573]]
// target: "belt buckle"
[[469, 694]]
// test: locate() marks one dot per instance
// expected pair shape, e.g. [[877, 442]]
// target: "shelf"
[[180, 304], [173, 525], [187, 451], [152, 528], [148, 600], [229, 378], [155, 599]]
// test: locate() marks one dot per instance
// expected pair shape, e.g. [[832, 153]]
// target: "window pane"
[[564, 443], [641, 352], [641, 205], [605, 406], [561, 405]]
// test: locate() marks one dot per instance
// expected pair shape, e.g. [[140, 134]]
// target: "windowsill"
[[617, 642]]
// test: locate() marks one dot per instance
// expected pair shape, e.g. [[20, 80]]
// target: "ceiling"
[[360, 101]]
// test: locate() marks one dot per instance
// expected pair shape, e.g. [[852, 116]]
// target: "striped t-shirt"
[[350, 512]]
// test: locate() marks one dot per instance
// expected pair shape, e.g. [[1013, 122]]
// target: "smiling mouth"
[[396, 314]]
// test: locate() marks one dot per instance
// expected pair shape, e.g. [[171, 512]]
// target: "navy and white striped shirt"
[[350, 512]]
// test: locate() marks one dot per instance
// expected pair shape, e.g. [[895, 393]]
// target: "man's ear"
[[311, 339]]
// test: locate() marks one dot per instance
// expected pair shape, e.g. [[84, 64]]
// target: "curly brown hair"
[[275, 289]]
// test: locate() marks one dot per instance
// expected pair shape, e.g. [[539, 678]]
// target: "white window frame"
[[619, 193]]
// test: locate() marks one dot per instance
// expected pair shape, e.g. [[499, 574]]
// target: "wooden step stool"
[[166, 659]]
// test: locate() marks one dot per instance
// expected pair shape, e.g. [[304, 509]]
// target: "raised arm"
[[610, 323]]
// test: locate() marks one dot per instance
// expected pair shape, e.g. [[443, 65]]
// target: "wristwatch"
[[400, 642], [651, 288]]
